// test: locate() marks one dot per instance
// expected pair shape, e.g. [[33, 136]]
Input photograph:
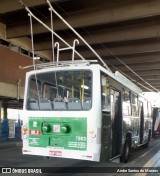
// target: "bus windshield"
[[60, 90]]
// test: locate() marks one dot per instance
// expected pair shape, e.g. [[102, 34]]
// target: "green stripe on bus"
[[66, 133]]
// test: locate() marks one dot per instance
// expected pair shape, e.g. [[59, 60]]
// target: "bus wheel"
[[125, 155]]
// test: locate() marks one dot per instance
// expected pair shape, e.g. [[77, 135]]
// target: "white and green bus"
[[83, 111]]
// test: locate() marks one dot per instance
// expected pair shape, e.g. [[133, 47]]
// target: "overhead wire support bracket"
[[67, 48]]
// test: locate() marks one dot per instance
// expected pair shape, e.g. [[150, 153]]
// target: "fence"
[[10, 130]]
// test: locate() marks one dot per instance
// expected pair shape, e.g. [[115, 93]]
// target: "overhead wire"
[[118, 59], [107, 50], [130, 68], [131, 78], [79, 36], [49, 29]]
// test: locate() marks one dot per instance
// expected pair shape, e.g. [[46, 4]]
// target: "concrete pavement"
[[9, 144]]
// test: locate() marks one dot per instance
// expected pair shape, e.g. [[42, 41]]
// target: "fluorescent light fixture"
[[36, 58], [84, 86]]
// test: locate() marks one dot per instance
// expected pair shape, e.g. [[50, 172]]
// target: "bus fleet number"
[[80, 138]]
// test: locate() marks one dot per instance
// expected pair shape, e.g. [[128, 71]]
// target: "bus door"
[[156, 122], [141, 122], [116, 119]]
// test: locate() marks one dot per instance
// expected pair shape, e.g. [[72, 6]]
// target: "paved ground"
[[11, 156], [5, 145]]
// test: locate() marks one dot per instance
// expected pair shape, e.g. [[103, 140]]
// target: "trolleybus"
[[79, 109], [83, 111]]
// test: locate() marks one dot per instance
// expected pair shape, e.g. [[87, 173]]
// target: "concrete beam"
[[119, 51], [2, 30], [148, 78], [144, 72], [129, 49], [150, 81], [13, 5], [25, 43], [10, 90], [141, 67], [130, 54], [139, 83], [134, 60], [109, 36], [103, 15]]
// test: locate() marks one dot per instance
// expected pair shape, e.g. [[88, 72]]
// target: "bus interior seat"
[[74, 104], [33, 104], [45, 104], [87, 103], [59, 103]]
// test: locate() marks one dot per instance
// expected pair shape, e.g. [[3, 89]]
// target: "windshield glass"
[[61, 90]]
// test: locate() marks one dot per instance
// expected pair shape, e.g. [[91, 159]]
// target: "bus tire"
[[125, 155]]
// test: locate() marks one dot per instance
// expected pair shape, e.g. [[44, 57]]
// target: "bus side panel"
[[106, 148]]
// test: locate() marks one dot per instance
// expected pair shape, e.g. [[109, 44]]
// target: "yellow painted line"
[[150, 163]]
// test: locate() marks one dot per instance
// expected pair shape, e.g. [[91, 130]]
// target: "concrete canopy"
[[127, 31]]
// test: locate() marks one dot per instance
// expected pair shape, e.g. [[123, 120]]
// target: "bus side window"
[[145, 109], [134, 100], [105, 93], [149, 110], [126, 102]]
